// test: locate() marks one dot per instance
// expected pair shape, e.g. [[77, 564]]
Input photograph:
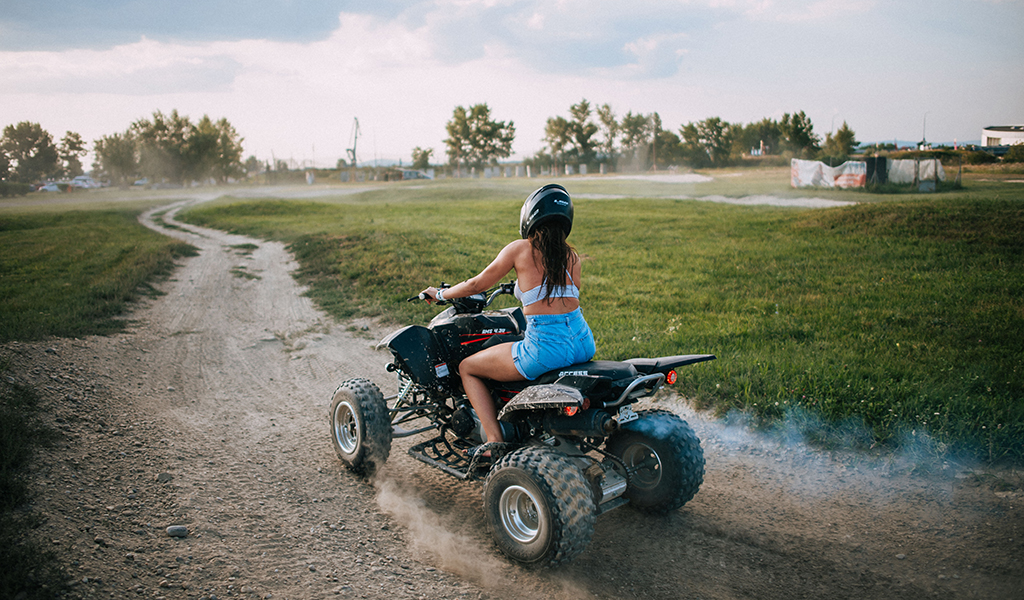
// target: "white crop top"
[[536, 294]]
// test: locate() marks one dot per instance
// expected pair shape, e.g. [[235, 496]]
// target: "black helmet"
[[549, 203]]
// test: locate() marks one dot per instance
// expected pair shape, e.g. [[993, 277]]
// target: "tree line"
[[594, 135], [163, 149], [171, 148]]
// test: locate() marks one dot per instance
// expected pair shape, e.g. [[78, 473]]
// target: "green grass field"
[[899, 316], [72, 273], [904, 314]]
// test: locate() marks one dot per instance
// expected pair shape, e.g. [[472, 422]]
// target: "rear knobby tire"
[[665, 460], [360, 427], [539, 507]]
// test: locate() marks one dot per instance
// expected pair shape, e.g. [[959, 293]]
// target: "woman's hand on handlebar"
[[429, 294]]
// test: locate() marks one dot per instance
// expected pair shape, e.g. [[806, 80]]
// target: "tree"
[[199, 151], [171, 147], [474, 139], [707, 142], [558, 136], [609, 130], [766, 134], [227, 161], [421, 157], [117, 158], [798, 133], [636, 137], [30, 151], [71, 151], [667, 149], [655, 129], [1014, 154], [253, 166], [540, 161], [880, 147], [840, 145], [581, 133], [162, 146]]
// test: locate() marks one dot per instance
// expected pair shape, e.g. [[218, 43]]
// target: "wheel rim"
[[645, 466], [346, 427], [519, 514]]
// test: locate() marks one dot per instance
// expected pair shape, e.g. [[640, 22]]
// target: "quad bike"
[[574, 448]]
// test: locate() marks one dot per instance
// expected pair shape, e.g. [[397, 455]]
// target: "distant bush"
[[1015, 154], [9, 189], [770, 160], [949, 156]]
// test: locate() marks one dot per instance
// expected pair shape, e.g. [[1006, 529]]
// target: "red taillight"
[[571, 410], [671, 377]]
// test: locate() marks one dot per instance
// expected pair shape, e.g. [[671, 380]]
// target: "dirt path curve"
[[211, 413]]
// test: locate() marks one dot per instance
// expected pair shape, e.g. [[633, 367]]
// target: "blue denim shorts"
[[553, 342]]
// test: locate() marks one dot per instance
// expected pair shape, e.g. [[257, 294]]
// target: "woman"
[[548, 269]]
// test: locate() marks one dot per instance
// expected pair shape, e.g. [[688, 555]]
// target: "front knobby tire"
[[360, 427], [664, 458], [539, 507]]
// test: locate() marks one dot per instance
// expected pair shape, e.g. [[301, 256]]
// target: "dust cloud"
[[453, 552]]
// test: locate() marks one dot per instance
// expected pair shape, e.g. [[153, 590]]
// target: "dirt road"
[[211, 413]]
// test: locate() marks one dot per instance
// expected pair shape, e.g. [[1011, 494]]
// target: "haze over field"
[[292, 76]]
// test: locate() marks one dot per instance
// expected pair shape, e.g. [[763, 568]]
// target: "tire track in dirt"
[[258, 364]]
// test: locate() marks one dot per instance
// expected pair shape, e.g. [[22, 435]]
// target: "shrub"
[[9, 189], [1015, 154]]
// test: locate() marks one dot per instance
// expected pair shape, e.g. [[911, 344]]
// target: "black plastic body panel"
[[667, 363]]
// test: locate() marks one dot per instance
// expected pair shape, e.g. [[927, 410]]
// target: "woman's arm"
[[486, 279]]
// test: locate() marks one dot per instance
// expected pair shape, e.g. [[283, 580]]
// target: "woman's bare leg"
[[494, 363]]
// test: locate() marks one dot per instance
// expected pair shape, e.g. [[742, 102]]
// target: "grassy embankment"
[[61, 274], [904, 314]]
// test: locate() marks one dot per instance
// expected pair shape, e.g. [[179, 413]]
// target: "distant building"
[[1002, 135]]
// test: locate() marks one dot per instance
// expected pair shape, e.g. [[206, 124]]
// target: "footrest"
[[439, 452]]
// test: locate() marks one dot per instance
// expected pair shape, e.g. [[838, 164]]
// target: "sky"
[[292, 76]]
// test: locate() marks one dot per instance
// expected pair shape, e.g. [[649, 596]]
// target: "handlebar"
[[490, 295], [504, 288]]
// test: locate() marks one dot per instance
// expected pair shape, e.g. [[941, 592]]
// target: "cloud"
[[801, 11], [401, 67], [143, 68], [66, 24]]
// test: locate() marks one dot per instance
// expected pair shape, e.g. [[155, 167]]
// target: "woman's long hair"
[[549, 240]]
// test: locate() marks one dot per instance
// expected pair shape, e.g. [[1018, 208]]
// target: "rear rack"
[[638, 388]]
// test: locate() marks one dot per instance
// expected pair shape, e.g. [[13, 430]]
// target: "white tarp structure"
[[812, 173], [909, 171]]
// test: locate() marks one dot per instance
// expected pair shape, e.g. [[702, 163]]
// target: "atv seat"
[[598, 374], [605, 369]]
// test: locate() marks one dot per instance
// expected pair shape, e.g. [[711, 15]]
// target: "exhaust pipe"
[[586, 423]]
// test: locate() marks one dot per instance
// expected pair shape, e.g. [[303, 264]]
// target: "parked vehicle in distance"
[[84, 181]]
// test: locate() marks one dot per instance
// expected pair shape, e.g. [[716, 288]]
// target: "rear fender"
[[665, 364], [543, 397]]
